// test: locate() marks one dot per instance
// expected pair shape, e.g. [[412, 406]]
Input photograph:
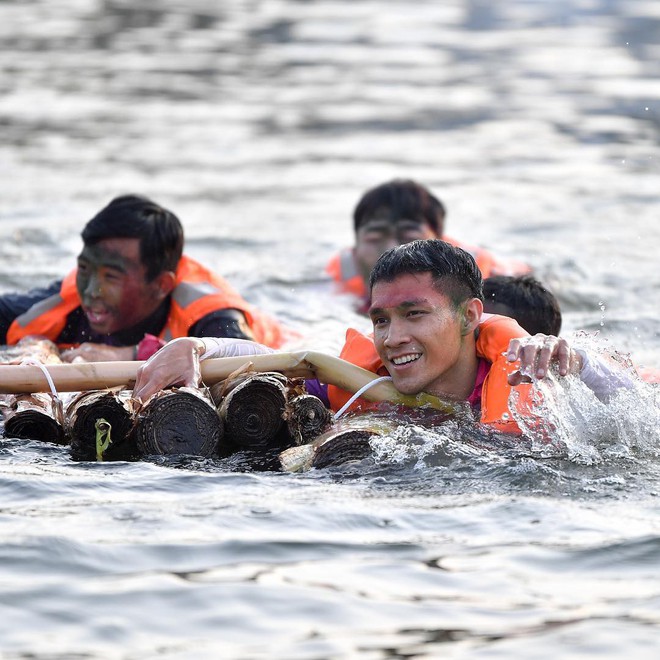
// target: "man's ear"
[[472, 311], [165, 283]]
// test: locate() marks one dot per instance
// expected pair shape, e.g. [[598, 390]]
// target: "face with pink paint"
[[425, 341]]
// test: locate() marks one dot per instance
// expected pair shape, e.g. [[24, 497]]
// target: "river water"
[[260, 123]]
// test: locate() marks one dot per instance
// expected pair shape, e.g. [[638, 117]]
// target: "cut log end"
[[34, 417], [35, 425], [307, 418], [84, 416], [179, 422], [253, 412], [334, 448]]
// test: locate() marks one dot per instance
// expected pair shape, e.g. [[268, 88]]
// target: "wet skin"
[[425, 343], [380, 233], [113, 288]]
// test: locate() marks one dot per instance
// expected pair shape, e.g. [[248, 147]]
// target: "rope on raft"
[[358, 394], [58, 404]]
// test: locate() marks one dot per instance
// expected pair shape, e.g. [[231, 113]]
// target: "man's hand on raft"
[[89, 352], [537, 353], [177, 363]]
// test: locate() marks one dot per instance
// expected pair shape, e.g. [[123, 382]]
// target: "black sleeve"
[[222, 323], [15, 304]]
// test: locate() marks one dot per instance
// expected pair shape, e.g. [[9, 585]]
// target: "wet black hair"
[[132, 216], [400, 199], [531, 304], [455, 272]]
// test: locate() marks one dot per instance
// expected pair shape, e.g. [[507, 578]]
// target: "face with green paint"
[[113, 287]]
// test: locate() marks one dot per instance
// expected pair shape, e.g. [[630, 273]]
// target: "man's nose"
[[391, 242], [93, 287], [396, 334]]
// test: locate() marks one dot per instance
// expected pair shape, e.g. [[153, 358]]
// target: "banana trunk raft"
[[257, 405]]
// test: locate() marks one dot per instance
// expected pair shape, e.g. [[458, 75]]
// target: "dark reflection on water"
[[260, 124]]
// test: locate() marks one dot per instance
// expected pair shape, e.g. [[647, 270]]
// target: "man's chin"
[[406, 387], [101, 328]]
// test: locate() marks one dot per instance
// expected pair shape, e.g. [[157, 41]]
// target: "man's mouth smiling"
[[97, 316], [405, 359]]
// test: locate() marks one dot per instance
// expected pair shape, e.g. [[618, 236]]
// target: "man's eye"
[[379, 320], [112, 276]]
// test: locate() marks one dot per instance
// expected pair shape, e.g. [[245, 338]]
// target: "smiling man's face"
[[426, 344]]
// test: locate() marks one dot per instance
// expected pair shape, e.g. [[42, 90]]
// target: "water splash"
[[573, 442], [566, 413]]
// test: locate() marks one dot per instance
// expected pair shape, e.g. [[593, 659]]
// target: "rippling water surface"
[[260, 123]]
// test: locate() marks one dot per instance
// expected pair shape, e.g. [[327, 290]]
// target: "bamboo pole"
[[79, 376]]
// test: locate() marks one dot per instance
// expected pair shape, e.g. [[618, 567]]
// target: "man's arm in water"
[[225, 323], [13, 305], [537, 353]]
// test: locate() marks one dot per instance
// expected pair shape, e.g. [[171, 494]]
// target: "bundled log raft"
[[253, 412], [249, 409], [263, 414]]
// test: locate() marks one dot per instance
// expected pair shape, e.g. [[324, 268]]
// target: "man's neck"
[[459, 382]]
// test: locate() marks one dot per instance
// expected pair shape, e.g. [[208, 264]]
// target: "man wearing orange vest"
[[430, 335], [133, 290], [395, 213]]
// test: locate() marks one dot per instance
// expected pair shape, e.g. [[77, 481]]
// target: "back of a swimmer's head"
[[401, 199], [526, 300], [131, 216], [454, 271]]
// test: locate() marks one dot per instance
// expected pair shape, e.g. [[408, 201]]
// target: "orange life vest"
[[494, 335], [197, 292], [344, 271]]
